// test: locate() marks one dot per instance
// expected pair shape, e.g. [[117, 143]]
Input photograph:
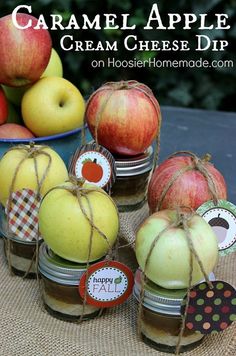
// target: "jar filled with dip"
[[132, 176], [161, 320], [60, 281], [20, 254]]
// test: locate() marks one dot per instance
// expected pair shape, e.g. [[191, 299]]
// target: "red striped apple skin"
[[3, 107], [24, 54], [189, 190], [14, 131], [129, 118]]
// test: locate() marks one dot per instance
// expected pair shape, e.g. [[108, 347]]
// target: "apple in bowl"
[[15, 131], [51, 106], [169, 261], [25, 53], [53, 69], [3, 107]]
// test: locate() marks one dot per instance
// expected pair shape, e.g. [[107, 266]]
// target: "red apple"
[[128, 117], [24, 53], [190, 189], [3, 107], [14, 131]]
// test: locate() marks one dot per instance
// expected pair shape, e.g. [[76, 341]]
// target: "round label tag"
[[210, 310], [109, 283], [95, 164], [23, 214], [222, 218]]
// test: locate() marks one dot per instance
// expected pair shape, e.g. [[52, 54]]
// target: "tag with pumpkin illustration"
[[95, 164]]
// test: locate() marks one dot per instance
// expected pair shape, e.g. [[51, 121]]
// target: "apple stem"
[[95, 160], [206, 157]]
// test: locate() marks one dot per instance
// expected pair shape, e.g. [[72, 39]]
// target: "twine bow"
[[182, 220], [198, 164], [33, 152]]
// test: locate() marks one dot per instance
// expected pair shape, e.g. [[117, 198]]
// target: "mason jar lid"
[[131, 166], [158, 299], [58, 269]]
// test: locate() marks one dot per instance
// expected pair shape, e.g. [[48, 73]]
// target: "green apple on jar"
[[26, 176], [66, 229], [169, 262]]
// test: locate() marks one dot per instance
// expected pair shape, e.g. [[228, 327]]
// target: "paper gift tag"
[[222, 218], [211, 310], [109, 283], [95, 164], [23, 214]]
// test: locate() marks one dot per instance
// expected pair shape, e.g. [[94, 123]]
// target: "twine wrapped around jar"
[[32, 151], [77, 189], [182, 220]]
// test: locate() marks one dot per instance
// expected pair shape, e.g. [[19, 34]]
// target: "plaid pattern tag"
[[23, 214]]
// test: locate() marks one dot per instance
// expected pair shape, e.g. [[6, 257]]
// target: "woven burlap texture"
[[27, 330]]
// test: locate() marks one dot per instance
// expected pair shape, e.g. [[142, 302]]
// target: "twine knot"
[[112, 87], [198, 164]]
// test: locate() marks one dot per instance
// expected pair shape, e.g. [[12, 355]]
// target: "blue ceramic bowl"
[[64, 144]]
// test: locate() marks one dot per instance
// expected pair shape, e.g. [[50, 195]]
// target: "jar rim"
[[134, 165], [158, 302], [159, 299]]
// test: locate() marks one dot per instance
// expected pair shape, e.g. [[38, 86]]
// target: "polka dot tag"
[[210, 310]]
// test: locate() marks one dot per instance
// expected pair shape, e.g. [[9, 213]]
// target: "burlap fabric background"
[[27, 330]]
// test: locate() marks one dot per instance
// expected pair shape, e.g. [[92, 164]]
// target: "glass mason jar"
[[132, 176], [60, 281], [20, 254], [161, 319]]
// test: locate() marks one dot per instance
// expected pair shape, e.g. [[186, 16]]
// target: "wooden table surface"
[[202, 131]]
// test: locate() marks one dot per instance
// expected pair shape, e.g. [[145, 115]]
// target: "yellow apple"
[[53, 69], [26, 177], [169, 262], [51, 106], [67, 231]]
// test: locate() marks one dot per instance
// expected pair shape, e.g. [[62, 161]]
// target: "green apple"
[[169, 262], [15, 94], [26, 176], [53, 69], [51, 106], [66, 229]]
